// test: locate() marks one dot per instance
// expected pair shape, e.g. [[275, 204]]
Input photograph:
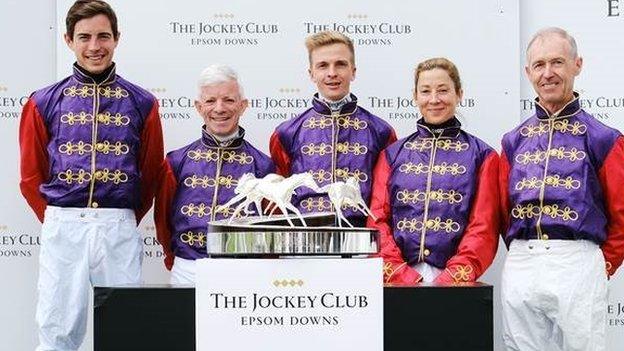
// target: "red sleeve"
[[479, 243], [395, 269], [392, 137], [611, 177], [279, 155], [503, 188], [167, 188], [151, 156], [34, 163]]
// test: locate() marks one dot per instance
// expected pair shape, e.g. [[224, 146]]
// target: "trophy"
[[262, 232]]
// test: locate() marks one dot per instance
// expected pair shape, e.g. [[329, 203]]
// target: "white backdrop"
[[164, 45]]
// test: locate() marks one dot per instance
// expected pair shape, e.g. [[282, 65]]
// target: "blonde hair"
[[441, 63], [325, 38]]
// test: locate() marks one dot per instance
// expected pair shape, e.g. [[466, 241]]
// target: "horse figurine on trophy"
[[346, 194], [277, 190]]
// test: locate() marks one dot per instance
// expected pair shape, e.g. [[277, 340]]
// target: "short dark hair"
[[82, 9]]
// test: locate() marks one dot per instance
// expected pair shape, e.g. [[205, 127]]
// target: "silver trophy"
[[290, 232]]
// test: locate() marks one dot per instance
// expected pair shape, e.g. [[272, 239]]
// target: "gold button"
[[99, 146], [94, 204], [430, 223], [98, 174], [101, 118], [427, 252], [545, 237]]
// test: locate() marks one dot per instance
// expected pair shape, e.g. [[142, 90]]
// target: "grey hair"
[[215, 74], [545, 32]]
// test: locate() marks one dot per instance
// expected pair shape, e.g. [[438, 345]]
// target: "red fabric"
[[479, 242], [396, 270], [162, 211], [391, 138], [279, 155], [611, 177], [34, 163], [151, 159], [503, 187]]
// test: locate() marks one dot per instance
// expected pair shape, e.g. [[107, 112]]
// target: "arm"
[[162, 211], [395, 269], [611, 177], [279, 155], [391, 138], [34, 163], [503, 188], [150, 160], [479, 243]]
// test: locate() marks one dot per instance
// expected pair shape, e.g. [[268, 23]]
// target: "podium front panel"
[[419, 318]]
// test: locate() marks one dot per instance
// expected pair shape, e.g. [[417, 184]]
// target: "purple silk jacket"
[[331, 147], [550, 176], [198, 178], [103, 144], [432, 183]]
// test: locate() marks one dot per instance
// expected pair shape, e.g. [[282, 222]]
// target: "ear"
[[578, 63], [68, 40], [354, 71], [527, 71], [310, 74], [460, 95], [197, 106], [244, 105]]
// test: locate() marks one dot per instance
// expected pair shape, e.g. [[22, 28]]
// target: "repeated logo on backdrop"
[[364, 30], [404, 107], [10, 104], [151, 246], [613, 8], [615, 314], [223, 29], [173, 107], [16, 245], [604, 108]]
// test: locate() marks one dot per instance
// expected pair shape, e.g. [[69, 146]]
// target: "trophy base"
[[256, 236]]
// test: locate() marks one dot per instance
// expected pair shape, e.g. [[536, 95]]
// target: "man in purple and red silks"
[[202, 176], [336, 138], [91, 151], [561, 180]]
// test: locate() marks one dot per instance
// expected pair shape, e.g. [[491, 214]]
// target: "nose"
[[332, 72], [94, 44], [435, 98], [548, 71], [219, 106]]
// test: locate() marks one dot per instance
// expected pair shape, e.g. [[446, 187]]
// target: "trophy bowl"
[[256, 236]]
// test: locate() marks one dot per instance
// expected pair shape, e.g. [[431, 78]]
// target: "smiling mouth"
[[550, 85]]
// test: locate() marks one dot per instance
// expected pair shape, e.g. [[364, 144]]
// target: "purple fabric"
[[195, 167], [68, 108], [572, 206], [456, 163], [309, 139]]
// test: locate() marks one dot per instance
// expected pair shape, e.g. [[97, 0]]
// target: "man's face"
[[332, 70], [221, 106], [551, 69], [93, 43]]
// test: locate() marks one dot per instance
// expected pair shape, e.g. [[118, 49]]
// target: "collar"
[[321, 107], [571, 108], [449, 130], [108, 76], [210, 141]]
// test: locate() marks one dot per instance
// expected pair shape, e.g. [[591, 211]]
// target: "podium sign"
[[289, 304]]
